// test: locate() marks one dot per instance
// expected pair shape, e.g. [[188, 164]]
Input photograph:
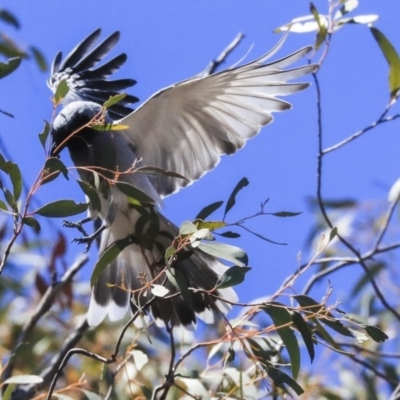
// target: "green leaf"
[[91, 193], [9, 198], [6, 68], [392, 58], [210, 225], [225, 251], [281, 316], [232, 277], [3, 206], [230, 234], [149, 170], [61, 209], [9, 18], [44, 134], [180, 282], [32, 222], [24, 380], [208, 210], [61, 91], [114, 100], [108, 255], [286, 214], [333, 234], [310, 305], [187, 228], [39, 58], [280, 378], [170, 252], [14, 172], [305, 332], [322, 31], [52, 169], [375, 333], [232, 198], [134, 193]]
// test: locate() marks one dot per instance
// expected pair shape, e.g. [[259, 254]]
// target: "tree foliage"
[[267, 349]]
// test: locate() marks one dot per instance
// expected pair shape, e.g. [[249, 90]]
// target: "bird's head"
[[70, 127]]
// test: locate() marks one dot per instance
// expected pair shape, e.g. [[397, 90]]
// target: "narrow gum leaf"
[[208, 210], [61, 91], [392, 58], [232, 198], [114, 100], [61, 209], [280, 317], [6, 68]]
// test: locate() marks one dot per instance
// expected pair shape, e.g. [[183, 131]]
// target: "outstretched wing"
[[187, 127], [88, 83]]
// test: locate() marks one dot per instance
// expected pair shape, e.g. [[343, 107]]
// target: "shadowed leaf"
[[208, 210], [6, 68], [280, 317], [232, 198], [280, 378], [232, 277], [305, 332], [61, 209], [91, 193]]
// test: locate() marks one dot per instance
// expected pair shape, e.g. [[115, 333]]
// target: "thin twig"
[[42, 308], [214, 64]]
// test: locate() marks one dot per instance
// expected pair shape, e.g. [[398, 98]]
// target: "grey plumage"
[[184, 128]]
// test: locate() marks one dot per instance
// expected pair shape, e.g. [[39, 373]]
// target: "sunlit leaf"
[[91, 395], [210, 225], [208, 210], [6, 68], [3, 206], [61, 209], [187, 228], [24, 380], [232, 198], [280, 317], [61, 91], [114, 100], [392, 58], [139, 358], [225, 251], [322, 30], [159, 290], [170, 252]]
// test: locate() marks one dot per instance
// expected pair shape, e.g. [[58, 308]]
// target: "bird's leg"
[[88, 239], [78, 225]]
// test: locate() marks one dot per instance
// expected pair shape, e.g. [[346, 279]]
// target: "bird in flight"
[[182, 130]]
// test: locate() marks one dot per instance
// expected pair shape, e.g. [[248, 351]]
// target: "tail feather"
[[125, 276]]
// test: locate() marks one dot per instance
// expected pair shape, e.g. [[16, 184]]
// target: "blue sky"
[[170, 41]]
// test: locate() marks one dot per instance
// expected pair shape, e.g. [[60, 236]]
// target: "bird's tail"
[[141, 266]]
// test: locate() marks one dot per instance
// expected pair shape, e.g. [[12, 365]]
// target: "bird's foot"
[[77, 225]]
